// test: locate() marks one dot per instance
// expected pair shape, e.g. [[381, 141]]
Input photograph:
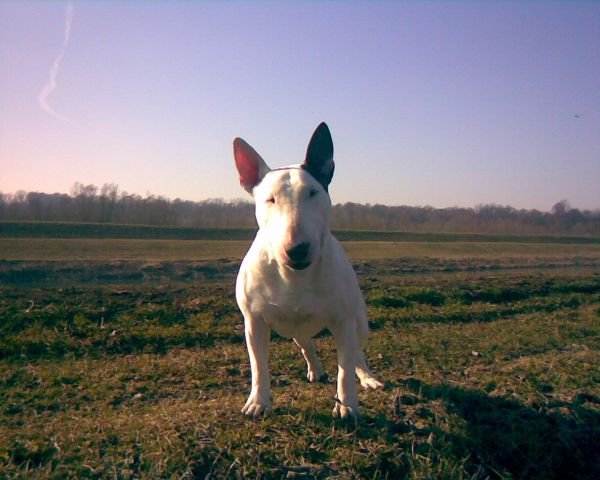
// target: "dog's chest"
[[293, 312]]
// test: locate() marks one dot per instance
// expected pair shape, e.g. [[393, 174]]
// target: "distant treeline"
[[88, 203]]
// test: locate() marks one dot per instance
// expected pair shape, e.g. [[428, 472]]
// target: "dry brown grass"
[[134, 249]]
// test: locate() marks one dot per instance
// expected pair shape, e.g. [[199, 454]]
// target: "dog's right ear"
[[251, 167]]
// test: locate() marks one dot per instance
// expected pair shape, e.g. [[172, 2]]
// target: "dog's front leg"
[[257, 341], [347, 348]]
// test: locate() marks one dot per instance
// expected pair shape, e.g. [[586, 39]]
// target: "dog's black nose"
[[298, 253]]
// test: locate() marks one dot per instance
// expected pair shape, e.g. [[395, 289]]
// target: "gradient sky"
[[429, 103]]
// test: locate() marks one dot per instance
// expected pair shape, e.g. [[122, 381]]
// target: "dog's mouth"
[[298, 265]]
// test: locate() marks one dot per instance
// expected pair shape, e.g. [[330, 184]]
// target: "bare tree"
[[87, 203]]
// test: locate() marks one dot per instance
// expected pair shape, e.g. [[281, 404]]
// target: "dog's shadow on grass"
[[507, 436], [499, 437]]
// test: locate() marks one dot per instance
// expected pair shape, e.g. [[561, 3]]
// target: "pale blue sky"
[[429, 103]]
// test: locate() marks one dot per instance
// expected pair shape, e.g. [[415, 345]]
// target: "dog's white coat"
[[293, 208]]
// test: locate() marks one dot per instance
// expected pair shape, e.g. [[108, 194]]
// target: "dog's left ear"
[[319, 156]]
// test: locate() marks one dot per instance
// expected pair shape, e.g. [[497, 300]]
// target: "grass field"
[[108, 230], [124, 358], [160, 249]]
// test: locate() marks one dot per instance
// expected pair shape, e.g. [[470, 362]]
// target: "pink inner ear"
[[248, 171], [247, 162]]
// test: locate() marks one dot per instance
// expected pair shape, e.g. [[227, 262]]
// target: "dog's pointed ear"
[[319, 156], [251, 167]]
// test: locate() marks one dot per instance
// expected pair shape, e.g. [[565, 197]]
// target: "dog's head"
[[292, 203]]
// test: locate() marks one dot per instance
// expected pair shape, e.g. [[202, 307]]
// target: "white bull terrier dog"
[[296, 279]]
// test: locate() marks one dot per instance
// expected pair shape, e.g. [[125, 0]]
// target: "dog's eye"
[[312, 192], [271, 199]]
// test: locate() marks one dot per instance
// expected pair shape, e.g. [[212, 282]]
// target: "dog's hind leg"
[[315, 369], [366, 377], [367, 380]]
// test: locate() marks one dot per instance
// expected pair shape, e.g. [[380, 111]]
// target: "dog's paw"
[[256, 407], [370, 383], [314, 376], [345, 412]]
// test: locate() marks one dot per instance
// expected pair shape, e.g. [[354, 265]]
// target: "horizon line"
[[123, 193]]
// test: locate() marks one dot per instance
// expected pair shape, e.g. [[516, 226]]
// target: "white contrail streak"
[[68, 23], [51, 85]]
